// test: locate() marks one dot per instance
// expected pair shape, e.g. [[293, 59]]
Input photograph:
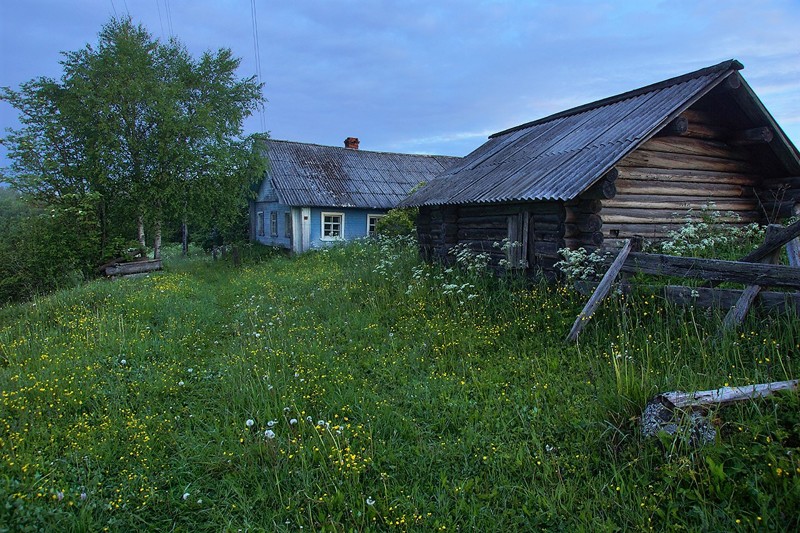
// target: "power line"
[[257, 48], [114, 8], [160, 21], [169, 18]]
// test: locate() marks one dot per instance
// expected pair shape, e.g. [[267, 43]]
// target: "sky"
[[430, 76]]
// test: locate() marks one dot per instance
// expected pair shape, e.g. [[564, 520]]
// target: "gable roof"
[[305, 174], [560, 156]]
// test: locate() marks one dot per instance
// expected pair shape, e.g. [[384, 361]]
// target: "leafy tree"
[[149, 132]]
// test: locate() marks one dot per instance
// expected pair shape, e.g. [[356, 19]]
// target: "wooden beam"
[[769, 301], [601, 190], [599, 294], [669, 160], [731, 83], [752, 136], [713, 270], [693, 176], [677, 126]]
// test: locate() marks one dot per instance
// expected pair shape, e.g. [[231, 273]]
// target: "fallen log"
[[686, 413], [136, 267], [725, 395]]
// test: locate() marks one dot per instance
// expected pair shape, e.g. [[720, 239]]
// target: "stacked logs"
[[694, 161]]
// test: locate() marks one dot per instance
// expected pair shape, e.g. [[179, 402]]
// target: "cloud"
[[436, 76]]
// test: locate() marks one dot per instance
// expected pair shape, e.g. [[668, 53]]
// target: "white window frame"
[[273, 224], [260, 223], [376, 217], [324, 237]]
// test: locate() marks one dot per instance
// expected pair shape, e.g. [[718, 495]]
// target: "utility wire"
[[169, 18], [160, 21], [257, 48]]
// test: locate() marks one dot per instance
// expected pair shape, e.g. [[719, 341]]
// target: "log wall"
[[540, 228], [669, 175]]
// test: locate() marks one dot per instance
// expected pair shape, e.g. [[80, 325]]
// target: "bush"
[[397, 222]]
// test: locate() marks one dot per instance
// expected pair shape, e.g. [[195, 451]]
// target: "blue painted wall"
[[268, 207], [355, 223]]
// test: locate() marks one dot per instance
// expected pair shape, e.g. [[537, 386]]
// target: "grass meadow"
[[358, 389]]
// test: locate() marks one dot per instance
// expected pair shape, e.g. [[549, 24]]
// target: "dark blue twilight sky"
[[432, 76]]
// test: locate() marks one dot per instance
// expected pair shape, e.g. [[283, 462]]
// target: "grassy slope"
[[417, 406]]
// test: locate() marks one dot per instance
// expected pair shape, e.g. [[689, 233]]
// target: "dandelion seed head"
[[249, 423]]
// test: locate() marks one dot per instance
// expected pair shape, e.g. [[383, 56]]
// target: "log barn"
[[631, 164]]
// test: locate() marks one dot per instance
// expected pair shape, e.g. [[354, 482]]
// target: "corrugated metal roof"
[[560, 156], [327, 176]]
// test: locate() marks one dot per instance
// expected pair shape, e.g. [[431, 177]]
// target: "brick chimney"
[[351, 142]]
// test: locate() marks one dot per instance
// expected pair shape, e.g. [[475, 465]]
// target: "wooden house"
[[313, 195], [631, 164]]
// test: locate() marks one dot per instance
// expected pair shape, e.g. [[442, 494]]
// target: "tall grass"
[[356, 388]]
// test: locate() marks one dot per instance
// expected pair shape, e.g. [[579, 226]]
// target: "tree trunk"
[[140, 232], [185, 237], [157, 240]]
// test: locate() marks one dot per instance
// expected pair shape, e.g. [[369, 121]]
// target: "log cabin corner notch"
[[603, 172]]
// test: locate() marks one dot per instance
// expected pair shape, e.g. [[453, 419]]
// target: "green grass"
[[424, 399]]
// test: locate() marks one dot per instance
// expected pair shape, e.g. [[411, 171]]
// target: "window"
[[332, 226], [287, 225], [372, 223], [260, 223], [273, 224]]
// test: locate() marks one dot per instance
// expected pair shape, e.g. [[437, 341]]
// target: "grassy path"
[[356, 389]]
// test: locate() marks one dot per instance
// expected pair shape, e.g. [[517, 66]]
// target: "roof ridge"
[[730, 64], [358, 150]]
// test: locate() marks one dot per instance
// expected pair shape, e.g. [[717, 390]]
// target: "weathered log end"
[[693, 426]]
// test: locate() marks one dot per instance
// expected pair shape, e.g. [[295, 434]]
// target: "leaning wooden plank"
[[773, 242], [736, 314], [727, 394], [600, 293], [793, 246], [713, 270]]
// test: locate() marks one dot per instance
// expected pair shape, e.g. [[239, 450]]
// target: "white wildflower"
[[249, 423], [370, 501], [269, 434]]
